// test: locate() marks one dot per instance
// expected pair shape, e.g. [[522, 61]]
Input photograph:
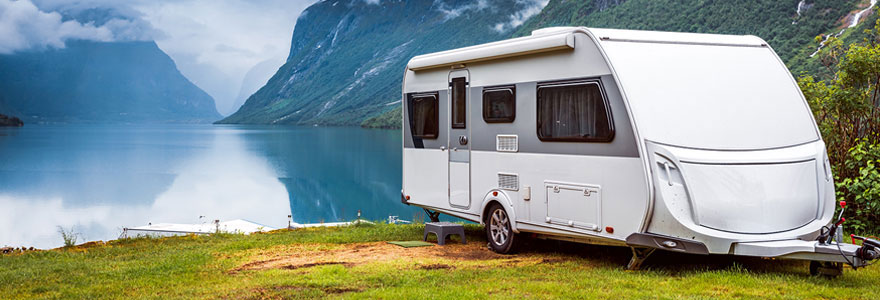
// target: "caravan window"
[[459, 102], [424, 116], [573, 112], [499, 104]]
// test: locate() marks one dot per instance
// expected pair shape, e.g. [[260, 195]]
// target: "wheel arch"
[[500, 197]]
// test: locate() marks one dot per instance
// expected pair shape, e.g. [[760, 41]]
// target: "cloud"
[[531, 8], [24, 26], [213, 42], [216, 42], [372, 1], [454, 12]]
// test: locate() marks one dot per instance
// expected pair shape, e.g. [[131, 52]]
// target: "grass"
[[342, 262]]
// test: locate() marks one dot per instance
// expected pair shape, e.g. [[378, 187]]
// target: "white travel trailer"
[[696, 143]]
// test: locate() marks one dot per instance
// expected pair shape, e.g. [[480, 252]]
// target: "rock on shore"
[[10, 121]]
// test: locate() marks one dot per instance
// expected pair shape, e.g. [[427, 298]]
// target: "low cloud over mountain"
[[25, 26]]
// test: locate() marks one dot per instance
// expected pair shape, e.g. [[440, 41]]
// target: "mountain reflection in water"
[[100, 178]]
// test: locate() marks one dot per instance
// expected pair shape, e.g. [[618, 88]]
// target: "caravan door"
[[459, 145]]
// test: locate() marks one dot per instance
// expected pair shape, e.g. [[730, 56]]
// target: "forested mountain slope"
[[788, 29], [347, 58]]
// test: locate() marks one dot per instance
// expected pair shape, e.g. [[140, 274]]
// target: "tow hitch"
[[856, 258], [870, 249]]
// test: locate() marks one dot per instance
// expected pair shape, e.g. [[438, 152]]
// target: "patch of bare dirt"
[[336, 290], [305, 256], [294, 267], [553, 260], [436, 267]]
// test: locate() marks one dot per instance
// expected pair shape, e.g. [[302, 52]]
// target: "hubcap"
[[499, 227]]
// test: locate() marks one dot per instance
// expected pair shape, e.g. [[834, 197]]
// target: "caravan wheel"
[[827, 269], [498, 230]]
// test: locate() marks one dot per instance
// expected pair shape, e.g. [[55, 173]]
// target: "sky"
[[228, 48], [216, 44]]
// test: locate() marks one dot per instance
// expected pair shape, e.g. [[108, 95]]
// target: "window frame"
[[453, 105], [610, 117], [410, 108], [509, 88]]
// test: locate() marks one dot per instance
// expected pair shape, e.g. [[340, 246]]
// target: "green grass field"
[[355, 262]]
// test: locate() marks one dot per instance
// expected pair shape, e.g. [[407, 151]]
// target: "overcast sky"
[[215, 43]]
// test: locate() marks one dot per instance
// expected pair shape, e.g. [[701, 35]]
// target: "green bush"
[[847, 111], [862, 191]]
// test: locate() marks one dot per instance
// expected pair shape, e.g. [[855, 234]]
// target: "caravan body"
[[695, 143]]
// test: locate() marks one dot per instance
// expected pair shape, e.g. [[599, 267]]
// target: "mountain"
[[789, 26], [91, 81], [347, 57], [254, 79], [389, 120]]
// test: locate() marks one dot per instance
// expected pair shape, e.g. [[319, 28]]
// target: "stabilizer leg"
[[639, 257], [433, 215]]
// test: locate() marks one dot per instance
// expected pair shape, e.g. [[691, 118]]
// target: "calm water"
[[100, 178]]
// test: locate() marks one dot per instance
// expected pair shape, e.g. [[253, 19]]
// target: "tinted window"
[[574, 112], [424, 118], [499, 104], [459, 103]]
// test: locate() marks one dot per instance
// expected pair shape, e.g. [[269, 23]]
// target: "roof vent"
[[556, 29]]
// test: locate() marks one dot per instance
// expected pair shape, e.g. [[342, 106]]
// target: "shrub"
[[862, 191], [69, 236], [847, 111]]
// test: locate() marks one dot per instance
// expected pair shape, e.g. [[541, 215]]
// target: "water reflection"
[[99, 178], [331, 173]]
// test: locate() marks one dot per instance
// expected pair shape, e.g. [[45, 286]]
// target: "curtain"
[[573, 112]]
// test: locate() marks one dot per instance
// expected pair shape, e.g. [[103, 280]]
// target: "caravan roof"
[[683, 89]]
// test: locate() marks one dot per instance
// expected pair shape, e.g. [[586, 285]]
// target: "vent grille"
[[508, 181], [507, 143]]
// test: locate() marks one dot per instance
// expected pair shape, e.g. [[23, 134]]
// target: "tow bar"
[[870, 249]]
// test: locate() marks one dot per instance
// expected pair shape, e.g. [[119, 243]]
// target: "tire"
[[499, 231], [826, 269]]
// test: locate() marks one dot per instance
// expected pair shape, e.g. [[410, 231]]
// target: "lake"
[[97, 179]]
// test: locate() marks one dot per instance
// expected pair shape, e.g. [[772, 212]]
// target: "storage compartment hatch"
[[574, 205]]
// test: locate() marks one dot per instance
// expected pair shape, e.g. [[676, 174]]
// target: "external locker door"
[[574, 205]]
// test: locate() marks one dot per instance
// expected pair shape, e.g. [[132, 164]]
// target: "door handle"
[[442, 148], [462, 140]]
